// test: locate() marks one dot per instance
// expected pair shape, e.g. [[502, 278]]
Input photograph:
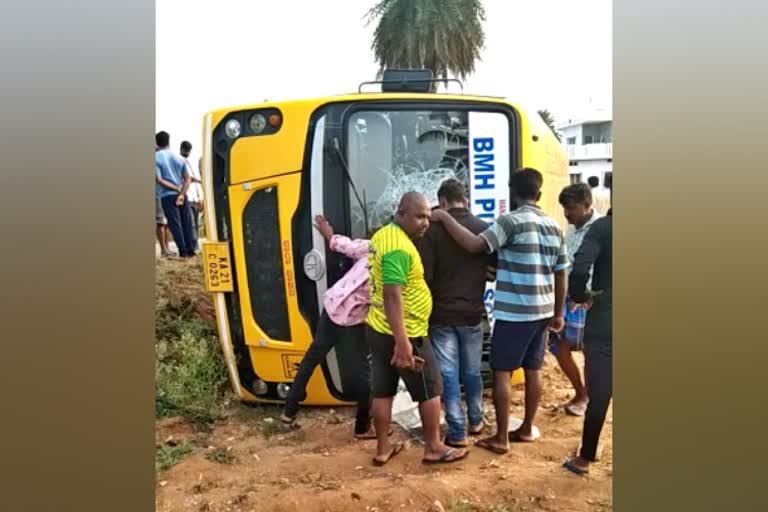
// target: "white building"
[[588, 142]]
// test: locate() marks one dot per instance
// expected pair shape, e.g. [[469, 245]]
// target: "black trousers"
[[598, 373], [327, 336]]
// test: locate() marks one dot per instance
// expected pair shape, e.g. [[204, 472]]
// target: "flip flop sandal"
[[483, 443], [287, 420], [570, 466], [456, 444], [445, 458], [476, 430], [514, 437], [575, 410], [395, 450]]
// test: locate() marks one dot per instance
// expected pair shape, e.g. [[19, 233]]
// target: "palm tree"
[[548, 118], [441, 35]]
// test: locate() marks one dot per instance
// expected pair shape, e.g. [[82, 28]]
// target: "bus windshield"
[[393, 152]]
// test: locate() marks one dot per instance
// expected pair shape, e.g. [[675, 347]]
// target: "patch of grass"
[[464, 506], [190, 373], [190, 377], [221, 456], [468, 506], [168, 455]]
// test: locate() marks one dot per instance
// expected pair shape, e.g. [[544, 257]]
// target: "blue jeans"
[[459, 353]]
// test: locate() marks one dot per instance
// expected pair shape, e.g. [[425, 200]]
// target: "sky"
[[546, 54]]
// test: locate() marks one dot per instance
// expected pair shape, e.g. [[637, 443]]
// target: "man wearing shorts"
[[397, 324], [530, 295], [161, 227], [576, 201], [173, 179]]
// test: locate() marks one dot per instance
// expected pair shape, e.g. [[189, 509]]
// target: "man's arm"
[[394, 275], [192, 173], [167, 184], [163, 182], [561, 289], [187, 181], [583, 261], [184, 186], [393, 309], [469, 241]]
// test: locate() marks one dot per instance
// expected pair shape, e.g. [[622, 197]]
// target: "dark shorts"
[[518, 345], [422, 385]]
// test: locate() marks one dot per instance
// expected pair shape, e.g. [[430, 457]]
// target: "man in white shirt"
[[576, 201], [601, 196], [195, 192]]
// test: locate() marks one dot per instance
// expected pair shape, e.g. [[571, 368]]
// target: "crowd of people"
[[413, 302], [178, 198]]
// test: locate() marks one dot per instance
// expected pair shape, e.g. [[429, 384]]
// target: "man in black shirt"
[[456, 279], [597, 250]]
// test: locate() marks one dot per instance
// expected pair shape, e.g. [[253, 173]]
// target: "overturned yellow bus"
[[270, 168]]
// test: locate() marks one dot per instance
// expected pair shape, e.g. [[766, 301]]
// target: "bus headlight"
[[260, 387], [282, 390], [232, 128], [257, 123]]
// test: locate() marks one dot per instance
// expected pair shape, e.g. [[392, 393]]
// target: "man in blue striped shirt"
[[530, 295]]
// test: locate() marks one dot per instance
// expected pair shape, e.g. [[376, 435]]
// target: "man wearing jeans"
[[172, 182], [456, 279], [530, 296]]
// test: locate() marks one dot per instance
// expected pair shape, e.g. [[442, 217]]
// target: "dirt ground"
[[319, 467]]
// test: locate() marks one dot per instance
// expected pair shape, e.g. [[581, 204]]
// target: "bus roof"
[[369, 96]]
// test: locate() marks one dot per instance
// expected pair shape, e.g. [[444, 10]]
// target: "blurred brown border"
[[690, 239], [77, 265]]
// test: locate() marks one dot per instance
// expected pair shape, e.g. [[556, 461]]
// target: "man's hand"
[[584, 305], [438, 214], [403, 357], [180, 200], [557, 323], [324, 227]]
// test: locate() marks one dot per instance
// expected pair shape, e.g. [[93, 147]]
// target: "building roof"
[[595, 116]]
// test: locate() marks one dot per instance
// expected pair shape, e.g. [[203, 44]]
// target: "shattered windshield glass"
[[393, 152]]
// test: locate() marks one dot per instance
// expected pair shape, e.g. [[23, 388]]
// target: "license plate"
[[217, 267]]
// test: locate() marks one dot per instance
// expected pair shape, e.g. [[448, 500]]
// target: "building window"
[[570, 140], [588, 139], [608, 180], [573, 163], [575, 178]]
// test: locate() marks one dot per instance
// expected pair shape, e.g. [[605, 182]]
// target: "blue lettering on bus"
[[484, 163], [484, 174]]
